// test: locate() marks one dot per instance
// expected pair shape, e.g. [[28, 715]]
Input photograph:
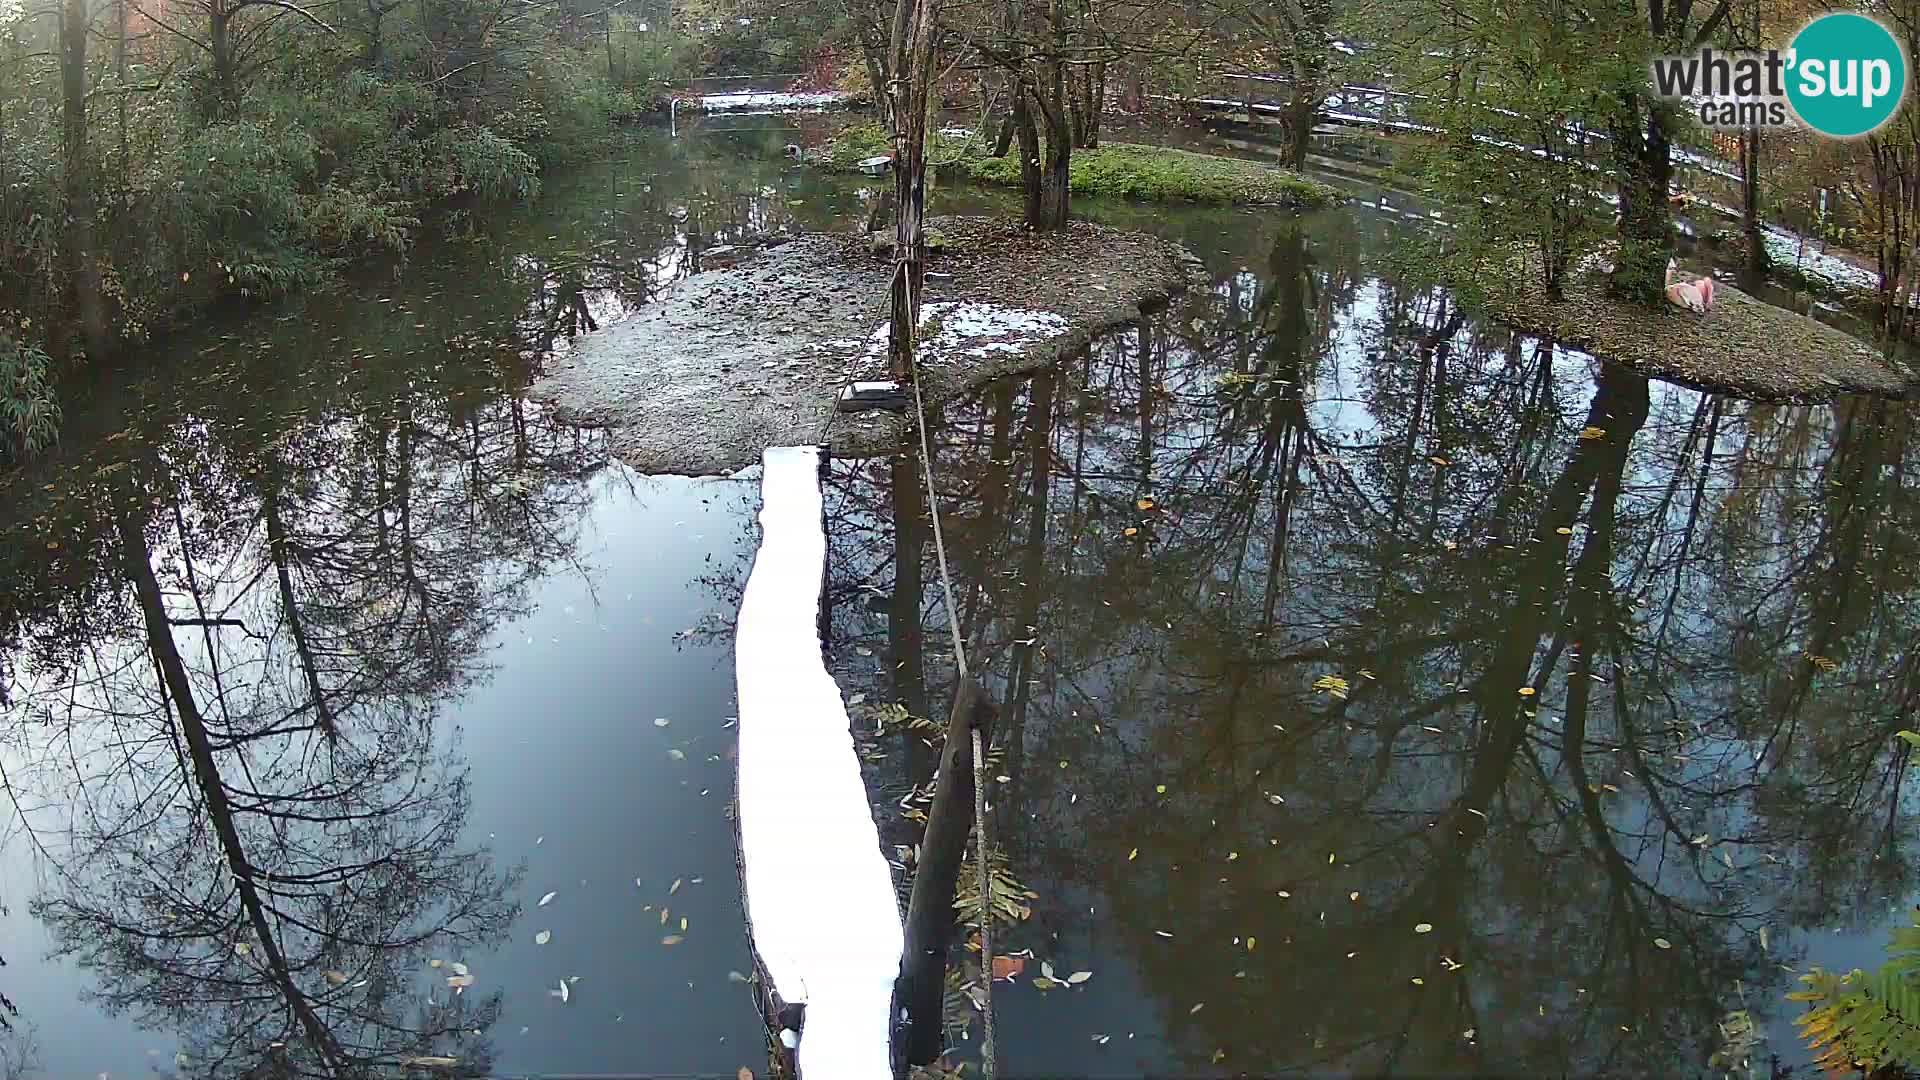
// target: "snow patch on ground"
[[1789, 249], [819, 892], [973, 329], [770, 102]]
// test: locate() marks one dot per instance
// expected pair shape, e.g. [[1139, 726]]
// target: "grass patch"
[[1742, 345], [1163, 174], [1123, 170]]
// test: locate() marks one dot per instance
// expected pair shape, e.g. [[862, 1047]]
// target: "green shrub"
[[29, 413]]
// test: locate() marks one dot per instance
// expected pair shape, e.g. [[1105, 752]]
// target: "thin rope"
[[960, 659]]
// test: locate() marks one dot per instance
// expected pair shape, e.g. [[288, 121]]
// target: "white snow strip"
[[974, 329], [769, 101], [819, 893]]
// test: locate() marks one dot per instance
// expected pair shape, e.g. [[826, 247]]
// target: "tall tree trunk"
[[1644, 149], [82, 263], [1750, 226], [220, 45], [1029, 133], [907, 105], [1096, 104]]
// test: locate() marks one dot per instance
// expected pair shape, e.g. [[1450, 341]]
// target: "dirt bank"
[[732, 361], [1743, 345]]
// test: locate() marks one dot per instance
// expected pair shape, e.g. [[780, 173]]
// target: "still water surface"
[[1259, 584]]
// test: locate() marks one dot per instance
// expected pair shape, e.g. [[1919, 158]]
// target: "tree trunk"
[[1646, 219], [1029, 156], [1300, 126], [1750, 227], [909, 94], [1097, 104], [220, 45], [82, 264], [921, 987]]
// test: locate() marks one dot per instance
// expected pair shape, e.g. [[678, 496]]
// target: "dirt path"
[[730, 362]]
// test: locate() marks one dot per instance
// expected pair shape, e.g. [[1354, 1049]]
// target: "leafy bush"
[[1860, 1020], [29, 413]]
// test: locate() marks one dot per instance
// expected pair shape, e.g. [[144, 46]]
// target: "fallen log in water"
[[821, 913]]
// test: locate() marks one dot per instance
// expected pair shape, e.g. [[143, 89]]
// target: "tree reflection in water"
[[1621, 667], [239, 782]]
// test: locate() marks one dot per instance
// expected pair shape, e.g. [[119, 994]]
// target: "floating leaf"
[[1332, 684], [676, 754], [1041, 982], [1196, 1008], [1528, 691], [1046, 968], [1079, 977], [1593, 433], [543, 937], [1564, 531], [459, 982], [1825, 664], [1662, 943], [673, 888], [241, 948], [735, 976], [1129, 531], [334, 977], [429, 1061], [672, 939], [660, 721], [459, 969], [1144, 504], [562, 993], [547, 899], [434, 963], [1423, 928], [1132, 855]]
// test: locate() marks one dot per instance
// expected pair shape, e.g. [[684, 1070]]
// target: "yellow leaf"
[[1144, 504], [1593, 433], [1527, 691], [1129, 531]]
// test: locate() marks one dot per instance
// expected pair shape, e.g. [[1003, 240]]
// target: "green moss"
[[854, 144], [1162, 174], [1122, 170]]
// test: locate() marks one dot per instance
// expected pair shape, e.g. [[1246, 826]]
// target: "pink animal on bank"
[[1695, 296]]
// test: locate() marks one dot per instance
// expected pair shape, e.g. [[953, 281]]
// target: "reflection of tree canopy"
[[235, 768], [1708, 599]]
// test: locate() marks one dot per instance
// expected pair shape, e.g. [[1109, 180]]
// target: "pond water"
[[327, 657]]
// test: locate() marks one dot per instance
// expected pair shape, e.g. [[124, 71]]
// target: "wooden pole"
[[931, 919]]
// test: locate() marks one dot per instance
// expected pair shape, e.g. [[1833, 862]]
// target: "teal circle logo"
[[1846, 75]]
